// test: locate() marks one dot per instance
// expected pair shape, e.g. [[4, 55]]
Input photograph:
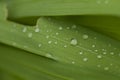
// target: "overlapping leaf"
[[56, 47]]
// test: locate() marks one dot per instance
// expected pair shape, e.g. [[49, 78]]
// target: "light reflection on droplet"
[[73, 42], [85, 36], [29, 35], [85, 59]]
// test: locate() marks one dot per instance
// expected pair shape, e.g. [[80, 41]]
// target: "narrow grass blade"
[[64, 41], [3, 11], [55, 44], [25, 8], [109, 25], [22, 65]]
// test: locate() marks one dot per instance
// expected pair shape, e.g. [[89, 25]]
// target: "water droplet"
[[24, 29], [93, 46], [85, 59], [104, 52], [98, 65], [73, 62], [60, 28], [29, 35], [57, 33], [111, 64], [49, 42], [47, 31], [55, 42], [49, 55], [99, 56], [112, 53], [96, 50], [37, 30], [106, 68], [47, 36], [115, 48], [68, 27], [65, 46], [74, 26], [39, 45], [73, 42], [85, 36], [80, 52]]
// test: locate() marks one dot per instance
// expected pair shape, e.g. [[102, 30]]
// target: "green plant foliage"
[[25, 8], [109, 25], [56, 47], [3, 11]]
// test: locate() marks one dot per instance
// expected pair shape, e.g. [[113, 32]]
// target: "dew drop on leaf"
[[47, 31], [37, 30], [85, 36], [99, 56], [106, 68], [104, 52], [29, 35], [74, 42], [85, 59], [65, 46], [49, 55], [39, 45], [93, 46], [55, 42], [80, 52], [96, 50], [98, 65], [111, 64], [68, 27], [112, 53], [73, 62], [24, 29], [74, 26], [60, 28], [47, 36], [57, 33], [49, 42]]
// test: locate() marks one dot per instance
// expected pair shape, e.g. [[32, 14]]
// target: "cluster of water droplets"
[[73, 42]]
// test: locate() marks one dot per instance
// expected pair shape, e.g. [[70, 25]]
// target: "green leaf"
[[3, 11], [27, 11], [22, 65], [57, 48], [26, 8], [66, 42], [109, 25]]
